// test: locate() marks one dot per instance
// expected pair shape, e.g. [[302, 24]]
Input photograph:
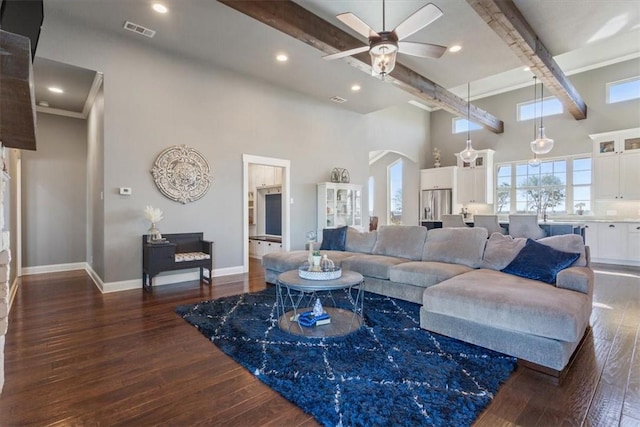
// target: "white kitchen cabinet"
[[259, 248], [616, 165], [614, 242], [438, 178], [339, 205], [475, 180], [264, 176]]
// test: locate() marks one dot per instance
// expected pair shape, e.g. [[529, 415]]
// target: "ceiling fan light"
[[469, 154], [542, 144], [383, 58]]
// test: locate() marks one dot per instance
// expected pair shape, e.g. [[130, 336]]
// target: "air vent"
[[338, 99], [139, 29]]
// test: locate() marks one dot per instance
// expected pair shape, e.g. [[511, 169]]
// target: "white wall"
[[53, 193], [153, 100]]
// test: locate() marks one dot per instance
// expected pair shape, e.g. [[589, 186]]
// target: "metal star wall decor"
[[182, 174]]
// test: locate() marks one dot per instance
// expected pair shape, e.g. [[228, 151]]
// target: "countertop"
[[273, 239]]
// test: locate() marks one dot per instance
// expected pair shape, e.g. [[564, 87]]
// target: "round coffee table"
[[296, 295]]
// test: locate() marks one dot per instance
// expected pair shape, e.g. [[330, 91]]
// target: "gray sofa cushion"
[[425, 273], [403, 241], [572, 243], [372, 265], [456, 246], [362, 242], [513, 303], [285, 261], [501, 250]]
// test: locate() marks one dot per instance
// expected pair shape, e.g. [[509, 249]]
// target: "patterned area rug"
[[390, 372]]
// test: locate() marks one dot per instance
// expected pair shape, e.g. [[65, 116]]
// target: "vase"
[[316, 263], [153, 233]]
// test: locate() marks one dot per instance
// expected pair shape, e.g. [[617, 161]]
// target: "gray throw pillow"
[[501, 250], [362, 242]]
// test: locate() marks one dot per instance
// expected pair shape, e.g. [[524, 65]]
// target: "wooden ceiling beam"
[[504, 17], [296, 21]]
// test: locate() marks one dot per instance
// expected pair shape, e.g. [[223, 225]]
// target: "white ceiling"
[[580, 34]]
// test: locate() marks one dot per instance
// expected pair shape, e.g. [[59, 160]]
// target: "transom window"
[[460, 125], [533, 109], [556, 186], [623, 90]]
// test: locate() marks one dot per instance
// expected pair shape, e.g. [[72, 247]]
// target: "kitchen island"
[[551, 227]]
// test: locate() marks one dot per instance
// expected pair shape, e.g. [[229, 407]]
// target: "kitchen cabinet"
[[614, 242], [475, 180], [260, 246], [264, 176], [339, 205], [616, 165], [438, 178]]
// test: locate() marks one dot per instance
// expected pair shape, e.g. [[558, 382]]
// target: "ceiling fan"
[[384, 45]]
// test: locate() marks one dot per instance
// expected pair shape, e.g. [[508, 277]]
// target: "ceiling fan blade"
[[420, 19], [357, 24], [346, 53], [423, 50]]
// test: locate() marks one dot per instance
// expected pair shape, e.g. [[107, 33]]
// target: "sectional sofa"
[[528, 299]]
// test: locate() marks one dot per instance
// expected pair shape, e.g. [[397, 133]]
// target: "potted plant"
[[316, 260], [580, 208]]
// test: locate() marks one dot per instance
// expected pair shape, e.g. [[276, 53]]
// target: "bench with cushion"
[[177, 252]]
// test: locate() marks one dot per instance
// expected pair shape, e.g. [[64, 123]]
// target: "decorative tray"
[[329, 274]]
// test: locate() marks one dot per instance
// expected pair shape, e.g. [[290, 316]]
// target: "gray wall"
[[410, 188], [153, 100], [95, 184], [53, 193], [571, 136]]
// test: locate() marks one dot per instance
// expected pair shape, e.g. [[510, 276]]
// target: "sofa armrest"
[[579, 279]]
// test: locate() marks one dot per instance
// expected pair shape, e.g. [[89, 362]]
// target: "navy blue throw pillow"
[[334, 239], [540, 262]]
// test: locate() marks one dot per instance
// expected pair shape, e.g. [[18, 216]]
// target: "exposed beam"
[[298, 22], [507, 21]]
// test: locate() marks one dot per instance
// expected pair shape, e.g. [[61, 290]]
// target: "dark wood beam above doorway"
[[507, 21], [298, 22]]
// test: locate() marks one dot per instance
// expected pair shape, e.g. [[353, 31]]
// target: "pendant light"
[[535, 161], [383, 54], [468, 155], [542, 144]]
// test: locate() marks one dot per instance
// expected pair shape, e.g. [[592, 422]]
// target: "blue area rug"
[[389, 372]]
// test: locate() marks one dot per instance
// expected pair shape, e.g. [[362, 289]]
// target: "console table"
[[179, 251]]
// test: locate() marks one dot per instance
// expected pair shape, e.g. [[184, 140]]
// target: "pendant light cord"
[[541, 103], [468, 112], [535, 107], [383, 24]]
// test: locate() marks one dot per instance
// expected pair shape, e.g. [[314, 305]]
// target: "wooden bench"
[[178, 252]]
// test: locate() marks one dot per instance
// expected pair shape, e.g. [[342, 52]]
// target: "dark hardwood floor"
[[77, 357]]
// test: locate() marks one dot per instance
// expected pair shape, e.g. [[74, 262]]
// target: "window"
[[395, 192], [532, 109], [460, 125], [623, 90], [371, 183], [556, 186]]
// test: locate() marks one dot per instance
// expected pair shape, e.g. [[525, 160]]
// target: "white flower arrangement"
[[154, 215]]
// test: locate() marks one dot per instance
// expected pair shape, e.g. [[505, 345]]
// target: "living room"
[[153, 98]]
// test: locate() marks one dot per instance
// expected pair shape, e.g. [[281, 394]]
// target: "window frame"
[[536, 114], [390, 189], [609, 85], [569, 185]]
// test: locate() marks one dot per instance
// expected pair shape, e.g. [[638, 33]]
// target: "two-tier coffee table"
[[296, 295]]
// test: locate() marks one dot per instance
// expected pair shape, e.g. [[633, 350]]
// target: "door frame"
[[248, 159]]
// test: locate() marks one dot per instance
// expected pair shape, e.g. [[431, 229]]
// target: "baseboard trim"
[[127, 285], [53, 268]]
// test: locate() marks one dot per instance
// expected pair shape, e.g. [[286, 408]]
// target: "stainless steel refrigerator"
[[435, 203]]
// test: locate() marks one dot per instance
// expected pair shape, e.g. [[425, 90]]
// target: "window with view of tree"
[[556, 186], [395, 192]]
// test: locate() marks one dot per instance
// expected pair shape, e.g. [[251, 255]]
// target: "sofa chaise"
[[491, 292]]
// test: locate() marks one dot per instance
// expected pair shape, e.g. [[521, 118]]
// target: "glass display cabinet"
[[339, 205]]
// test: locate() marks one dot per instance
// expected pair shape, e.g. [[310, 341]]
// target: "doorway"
[[255, 198]]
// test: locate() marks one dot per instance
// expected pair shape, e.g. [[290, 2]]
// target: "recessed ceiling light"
[[281, 57], [526, 69], [455, 48], [55, 89], [160, 8], [355, 88]]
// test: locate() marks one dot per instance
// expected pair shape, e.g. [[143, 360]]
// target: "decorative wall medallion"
[[182, 174]]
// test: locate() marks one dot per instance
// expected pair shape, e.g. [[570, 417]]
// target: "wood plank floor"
[[77, 357]]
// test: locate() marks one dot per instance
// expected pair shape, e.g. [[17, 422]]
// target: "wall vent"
[[139, 29], [338, 99]]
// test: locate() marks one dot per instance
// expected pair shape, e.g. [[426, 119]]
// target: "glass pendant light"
[[468, 155], [542, 144]]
